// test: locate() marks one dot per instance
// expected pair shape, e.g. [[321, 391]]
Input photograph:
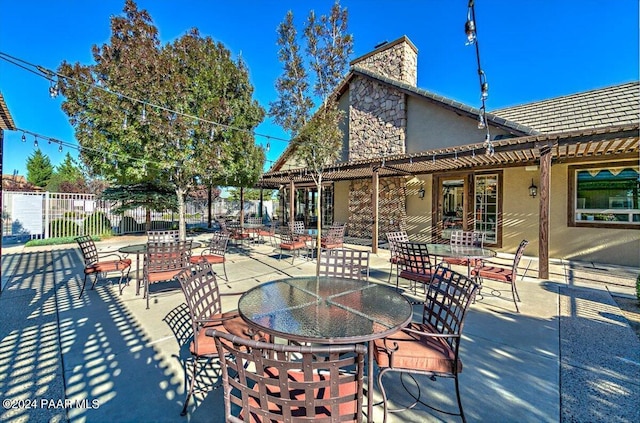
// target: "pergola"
[[614, 142]]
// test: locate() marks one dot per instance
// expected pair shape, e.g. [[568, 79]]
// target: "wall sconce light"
[[421, 192], [533, 189]]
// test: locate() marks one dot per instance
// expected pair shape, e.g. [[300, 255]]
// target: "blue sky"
[[530, 50]]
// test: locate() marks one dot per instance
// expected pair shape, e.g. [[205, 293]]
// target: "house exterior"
[[415, 160], [6, 124]]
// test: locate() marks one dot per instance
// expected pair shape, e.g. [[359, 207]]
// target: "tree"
[[148, 196], [67, 177], [39, 169], [317, 139], [181, 112]]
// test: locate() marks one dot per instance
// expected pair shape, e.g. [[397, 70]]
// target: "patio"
[[568, 356]]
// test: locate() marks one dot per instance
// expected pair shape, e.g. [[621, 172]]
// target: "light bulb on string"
[[470, 25], [212, 134], [124, 123], [60, 148], [481, 121], [35, 142], [53, 89], [268, 147], [484, 88], [24, 137], [143, 117]]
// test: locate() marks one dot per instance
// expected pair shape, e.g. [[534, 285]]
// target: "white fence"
[[47, 215]]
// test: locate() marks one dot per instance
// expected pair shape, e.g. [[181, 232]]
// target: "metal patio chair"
[[393, 238], [204, 301], [215, 252], [431, 345], [351, 264], [502, 273], [465, 238], [291, 383], [96, 264], [290, 242], [163, 261], [414, 264], [163, 236], [334, 237]]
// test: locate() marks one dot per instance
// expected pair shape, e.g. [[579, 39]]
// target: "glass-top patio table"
[[467, 252], [327, 310]]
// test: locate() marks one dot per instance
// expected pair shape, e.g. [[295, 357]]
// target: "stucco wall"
[[521, 221], [614, 246], [430, 126], [341, 201], [418, 224]]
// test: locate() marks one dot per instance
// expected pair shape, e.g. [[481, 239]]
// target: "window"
[[605, 196], [486, 206]]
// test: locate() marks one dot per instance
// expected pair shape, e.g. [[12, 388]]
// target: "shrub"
[[63, 228], [128, 225], [54, 241], [638, 289], [96, 224]]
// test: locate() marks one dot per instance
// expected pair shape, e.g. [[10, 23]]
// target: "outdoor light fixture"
[[481, 122], [35, 142], [533, 189], [470, 25], [421, 192], [24, 137], [53, 89]]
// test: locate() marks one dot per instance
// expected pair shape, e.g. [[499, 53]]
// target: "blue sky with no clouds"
[[530, 50]]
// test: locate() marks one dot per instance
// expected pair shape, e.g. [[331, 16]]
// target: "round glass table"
[[327, 310], [467, 252]]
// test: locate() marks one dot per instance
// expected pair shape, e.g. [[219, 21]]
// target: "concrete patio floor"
[[569, 356]]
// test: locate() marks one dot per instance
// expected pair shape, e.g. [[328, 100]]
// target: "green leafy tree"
[[317, 139], [183, 109], [68, 177], [39, 169]]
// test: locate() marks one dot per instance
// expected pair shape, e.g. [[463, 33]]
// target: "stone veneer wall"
[[400, 62], [392, 207], [377, 120]]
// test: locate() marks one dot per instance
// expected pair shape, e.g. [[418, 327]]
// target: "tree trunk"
[[319, 223], [147, 219], [241, 208], [210, 214], [182, 226]]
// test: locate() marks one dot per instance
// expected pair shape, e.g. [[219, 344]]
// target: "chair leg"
[[83, 285], [516, 297], [192, 385], [146, 292], [464, 420], [224, 268]]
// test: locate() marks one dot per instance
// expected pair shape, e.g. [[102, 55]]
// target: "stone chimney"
[[396, 60]]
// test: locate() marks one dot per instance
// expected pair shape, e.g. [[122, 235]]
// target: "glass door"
[[451, 206], [486, 206]]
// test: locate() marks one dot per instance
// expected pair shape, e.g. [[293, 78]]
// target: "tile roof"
[[610, 106], [516, 128], [6, 121]]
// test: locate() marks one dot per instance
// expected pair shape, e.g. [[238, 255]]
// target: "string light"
[[24, 137], [35, 142], [124, 123], [53, 89], [49, 75], [472, 38], [60, 148], [143, 117]]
